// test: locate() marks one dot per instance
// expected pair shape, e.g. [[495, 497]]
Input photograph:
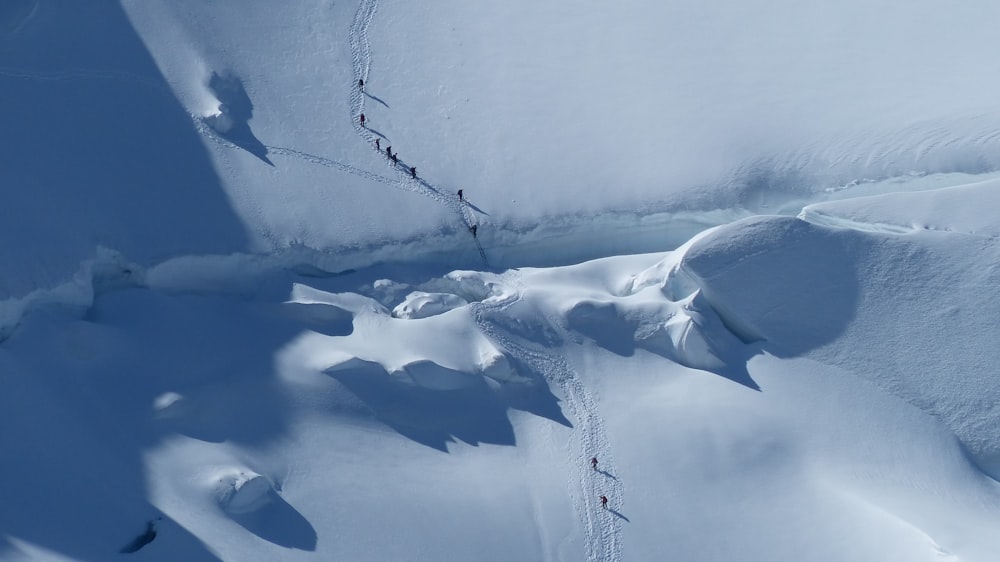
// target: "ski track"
[[361, 58], [602, 528]]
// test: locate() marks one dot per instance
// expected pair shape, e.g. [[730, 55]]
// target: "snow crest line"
[[602, 528]]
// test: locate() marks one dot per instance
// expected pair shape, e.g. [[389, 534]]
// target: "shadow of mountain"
[[278, 522], [80, 444], [98, 152], [235, 113]]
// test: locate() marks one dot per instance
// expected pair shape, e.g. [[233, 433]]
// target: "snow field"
[[224, 312]]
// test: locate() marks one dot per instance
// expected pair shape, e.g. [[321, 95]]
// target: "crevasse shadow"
[[706, 343], [97, 152]]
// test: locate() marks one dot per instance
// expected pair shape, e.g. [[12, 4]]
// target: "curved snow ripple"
[[603, 528]]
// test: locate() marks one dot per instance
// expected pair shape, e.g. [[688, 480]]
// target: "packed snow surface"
[[743, 254]]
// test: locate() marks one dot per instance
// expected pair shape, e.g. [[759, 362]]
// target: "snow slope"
[[231, 330], [304, 419], [646, 116]]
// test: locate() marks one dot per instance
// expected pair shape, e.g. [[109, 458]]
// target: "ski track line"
[[358, 42], [603, 529], [361, 59]]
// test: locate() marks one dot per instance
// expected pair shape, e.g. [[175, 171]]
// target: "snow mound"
[[777, 279], [893, 308], [414, 355], [419, 304], [239, 491], [15, 14]]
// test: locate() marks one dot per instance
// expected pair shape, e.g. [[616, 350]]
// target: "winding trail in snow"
[[361, 59], [602, 528]]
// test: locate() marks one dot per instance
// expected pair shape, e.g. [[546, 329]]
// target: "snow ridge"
[[603, 529]]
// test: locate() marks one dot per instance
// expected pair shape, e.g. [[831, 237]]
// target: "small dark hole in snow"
[[143, 539]]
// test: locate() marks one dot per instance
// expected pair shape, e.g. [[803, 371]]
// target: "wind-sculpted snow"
[[892, 306], [96, 154], [687, 331], [737, 268], [232, 327]]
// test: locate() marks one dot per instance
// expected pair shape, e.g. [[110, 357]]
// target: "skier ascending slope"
[[362, 119], [413, 172], [459, 194], [604, 502], [593, 463]]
